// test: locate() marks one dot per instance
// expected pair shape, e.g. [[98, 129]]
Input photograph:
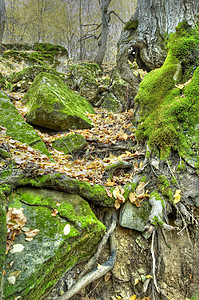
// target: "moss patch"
[[130, 25], [17, 127], [165, 112], [70, 143]]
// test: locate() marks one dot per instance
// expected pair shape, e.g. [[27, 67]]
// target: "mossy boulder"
[[70, 143], [53, 105], [3, 237], [111, 103], [16, 127], [119, 89], [168, 114], [84, 80], [54, 49], [23, 79], [51, 252]]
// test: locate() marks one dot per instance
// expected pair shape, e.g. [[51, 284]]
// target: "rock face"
[[51, 252], [53, 105], [18, 128], [134, 217], [70, 143], [84, 80], [22, 80]]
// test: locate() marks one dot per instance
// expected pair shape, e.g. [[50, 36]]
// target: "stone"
[[23, 79], [51, 252], [84, 80], [16, 127], [111, 103], [70, 143], [53, 105], [134, 217]]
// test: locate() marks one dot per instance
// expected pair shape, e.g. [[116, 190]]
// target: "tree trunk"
[[104, 34], [2, 20], [147, 31]]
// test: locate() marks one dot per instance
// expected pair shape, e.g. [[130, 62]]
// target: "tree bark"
[[104, 34], [147, 31], [2, 21]]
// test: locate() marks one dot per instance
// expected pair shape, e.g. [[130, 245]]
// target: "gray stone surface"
[[134, 217]]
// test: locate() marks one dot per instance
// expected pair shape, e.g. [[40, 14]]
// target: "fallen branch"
[[97, 272]]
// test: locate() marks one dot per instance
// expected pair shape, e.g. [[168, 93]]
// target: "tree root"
[[102, 269]]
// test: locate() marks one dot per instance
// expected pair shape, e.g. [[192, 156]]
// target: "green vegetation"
[[130, 25], [166, 113]]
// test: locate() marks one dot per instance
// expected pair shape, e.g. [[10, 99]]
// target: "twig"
[[173, 174], [154, 262]]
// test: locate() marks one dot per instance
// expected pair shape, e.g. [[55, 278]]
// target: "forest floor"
[[110, 140]]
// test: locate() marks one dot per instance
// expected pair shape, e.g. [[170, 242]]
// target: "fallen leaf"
[[132, 197], [31, 233], [54, 213], [67, 229], [133, 297], [17, 248], [177, 196], [136, 281], [107, 276]]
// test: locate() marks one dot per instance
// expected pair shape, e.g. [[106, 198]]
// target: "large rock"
[[16, 127], [23, 79], [84, 80], [53, 105], [51, 252]]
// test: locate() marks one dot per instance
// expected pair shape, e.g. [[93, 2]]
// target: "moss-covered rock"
[[47, 47], [84, 79], [51, 252], [17, 127], [70, 143], [23, 79], [111, 103], [166, 114], [53, 105], [3, 237]]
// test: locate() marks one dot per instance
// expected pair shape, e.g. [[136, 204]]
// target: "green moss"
[[3, 234], [165, 187], [53, 105], [70, 143], [18, 128], [181, 167], [165, 112], [130, 25], [94, 193]]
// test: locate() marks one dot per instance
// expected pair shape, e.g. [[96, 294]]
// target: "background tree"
[[2, 20]]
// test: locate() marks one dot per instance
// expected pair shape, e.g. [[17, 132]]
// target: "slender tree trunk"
[[147, 31], [104, 34], [2, 21]]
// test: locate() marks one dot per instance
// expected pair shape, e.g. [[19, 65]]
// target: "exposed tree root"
[[102, 269]]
